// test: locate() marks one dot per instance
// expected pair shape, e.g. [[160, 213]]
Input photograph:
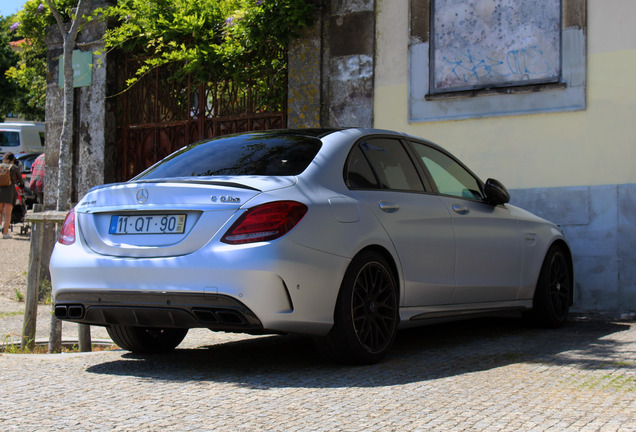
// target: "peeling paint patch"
[[352, 68]]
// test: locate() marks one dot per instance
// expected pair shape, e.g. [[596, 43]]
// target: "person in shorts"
[[8, 193]]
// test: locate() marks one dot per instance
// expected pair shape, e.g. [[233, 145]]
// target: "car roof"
[[17, 125], [324, 132]]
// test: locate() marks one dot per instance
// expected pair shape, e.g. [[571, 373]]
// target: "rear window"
[[9, 139], [250, 154]]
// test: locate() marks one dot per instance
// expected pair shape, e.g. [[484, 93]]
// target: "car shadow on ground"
[[420, 354]]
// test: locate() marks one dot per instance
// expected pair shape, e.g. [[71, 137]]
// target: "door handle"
[[460, 209], [388, 207]]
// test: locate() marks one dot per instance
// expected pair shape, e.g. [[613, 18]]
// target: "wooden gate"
[[160, 114]]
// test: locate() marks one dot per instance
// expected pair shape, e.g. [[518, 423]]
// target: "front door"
[[489, 245]]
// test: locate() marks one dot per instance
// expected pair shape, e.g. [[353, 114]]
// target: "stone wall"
[[94, 135], [331, 67], [600, 224]]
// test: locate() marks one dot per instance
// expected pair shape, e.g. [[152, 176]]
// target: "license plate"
[[148, 224]]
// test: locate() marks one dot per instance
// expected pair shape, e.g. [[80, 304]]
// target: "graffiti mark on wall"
[[519, 65]]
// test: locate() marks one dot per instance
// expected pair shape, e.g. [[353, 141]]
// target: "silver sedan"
[[344, 235]]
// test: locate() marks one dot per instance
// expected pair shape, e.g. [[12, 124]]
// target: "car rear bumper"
[[280, 287], [156, 309]]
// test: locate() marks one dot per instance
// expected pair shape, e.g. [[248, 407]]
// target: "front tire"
[[366, 316], [144, 340], [553, 293]]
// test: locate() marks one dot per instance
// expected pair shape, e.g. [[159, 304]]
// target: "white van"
[[21, 138]]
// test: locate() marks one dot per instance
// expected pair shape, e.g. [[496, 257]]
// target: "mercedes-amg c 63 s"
[[344, 235]]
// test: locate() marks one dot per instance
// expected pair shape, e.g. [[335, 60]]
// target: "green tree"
[[31, 24], [240, 40], [8, 58]]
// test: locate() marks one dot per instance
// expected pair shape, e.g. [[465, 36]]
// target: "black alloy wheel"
[[366, 316], [553, 293], [373, 307]]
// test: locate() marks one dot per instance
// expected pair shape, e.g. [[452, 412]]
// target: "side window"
[[9, 139], [391, 164], [449, 176], [42, 138], [359, 174]]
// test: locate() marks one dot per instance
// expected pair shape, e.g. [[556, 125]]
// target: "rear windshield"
[[9, 139], [250, 154]]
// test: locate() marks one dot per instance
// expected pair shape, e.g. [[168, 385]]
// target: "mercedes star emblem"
[[142, 196]]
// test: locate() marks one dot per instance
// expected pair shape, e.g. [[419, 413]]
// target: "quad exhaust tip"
[[219, 316], [69, 311]]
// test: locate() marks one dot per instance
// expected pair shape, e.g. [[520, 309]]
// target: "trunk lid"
[[161, 218]]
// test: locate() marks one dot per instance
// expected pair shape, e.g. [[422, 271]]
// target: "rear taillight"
[[67, 233], [265, 222]]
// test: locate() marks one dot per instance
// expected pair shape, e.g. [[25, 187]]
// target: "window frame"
[[415, 162], [479, 88], [412, 142], [569, 94]]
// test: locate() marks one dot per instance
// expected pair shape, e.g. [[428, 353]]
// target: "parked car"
[[20, 138], [343, 235]]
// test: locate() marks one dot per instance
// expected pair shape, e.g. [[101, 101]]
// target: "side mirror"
[[496, 193]]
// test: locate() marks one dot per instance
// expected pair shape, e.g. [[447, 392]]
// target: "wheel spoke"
[[374, 306], [559, 285]]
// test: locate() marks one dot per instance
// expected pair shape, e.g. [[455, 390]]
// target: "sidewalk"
[[14, 262]]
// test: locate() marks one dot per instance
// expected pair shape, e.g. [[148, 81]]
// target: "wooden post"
[[84, 338], [37, 260], [55, 331], [33, 283], [55, 336]]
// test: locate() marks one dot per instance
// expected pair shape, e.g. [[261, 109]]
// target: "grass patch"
[[19, 296], [624, 363], [11, 348], [44, 292], [607, 382], [10, 314]]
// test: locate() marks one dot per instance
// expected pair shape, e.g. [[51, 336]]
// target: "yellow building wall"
[[584, 148]]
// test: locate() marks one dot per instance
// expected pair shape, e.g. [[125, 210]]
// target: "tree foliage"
[[8, 89], [241, 40], [28, 73]]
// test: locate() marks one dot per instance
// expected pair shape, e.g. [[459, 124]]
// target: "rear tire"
[[552, 295], [366, 316], [143, 340]]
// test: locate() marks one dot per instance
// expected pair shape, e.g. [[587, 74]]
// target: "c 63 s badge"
[[226, 199]]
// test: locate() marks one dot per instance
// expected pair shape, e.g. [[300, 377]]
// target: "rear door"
[[383, 175]]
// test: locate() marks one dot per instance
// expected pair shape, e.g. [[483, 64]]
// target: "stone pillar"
[[94, 135], [331, 67], [303, 82], [351, 62]]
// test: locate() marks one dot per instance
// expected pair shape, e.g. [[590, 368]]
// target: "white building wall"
[[575, 168]]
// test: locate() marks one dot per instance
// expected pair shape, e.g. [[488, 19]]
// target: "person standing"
[[37, 178], [9, 177]]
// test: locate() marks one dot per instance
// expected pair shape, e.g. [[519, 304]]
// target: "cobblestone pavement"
[[482, 375]]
